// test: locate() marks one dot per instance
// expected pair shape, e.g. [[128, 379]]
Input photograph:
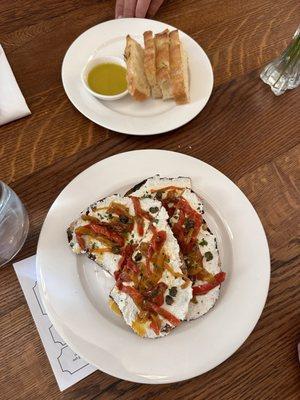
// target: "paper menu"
[[67, 366]]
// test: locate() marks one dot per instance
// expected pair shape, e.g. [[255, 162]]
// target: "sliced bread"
[[179, 69], [150, 64], [163, 64], [137, 82]]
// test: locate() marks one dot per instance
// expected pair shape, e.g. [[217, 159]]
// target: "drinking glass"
[[14, 224]]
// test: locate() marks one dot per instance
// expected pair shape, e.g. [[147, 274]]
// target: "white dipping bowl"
[[102, 60]]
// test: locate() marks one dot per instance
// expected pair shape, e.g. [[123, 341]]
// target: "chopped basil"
[[203, 242], [169, 300], [71, 244], [110, 216], [208, 255], [156, 221], [153, 210], [173, 291]]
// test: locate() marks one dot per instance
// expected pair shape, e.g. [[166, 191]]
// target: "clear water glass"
[[14, 224]]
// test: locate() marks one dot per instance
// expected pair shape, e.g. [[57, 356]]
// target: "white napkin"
[[67, 366], [12, 103]]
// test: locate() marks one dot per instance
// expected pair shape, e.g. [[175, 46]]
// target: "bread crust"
[[163, 64], [137, 82], [150, 64], [178, 68]]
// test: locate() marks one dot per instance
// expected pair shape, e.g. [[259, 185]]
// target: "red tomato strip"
[[80, 241], [126, 257], [155, 324], [186, 211], [206, 287], [133, 293], [165, 314], [103, 230], [139, 215], [156, 295]]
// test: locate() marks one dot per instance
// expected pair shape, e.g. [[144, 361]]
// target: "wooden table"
[[244, 131]]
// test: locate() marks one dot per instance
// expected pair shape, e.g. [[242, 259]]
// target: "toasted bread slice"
[[201, 254], [163, 64], [137, 82], [85, 237], [179, 69], [165, 264], [150, 64]]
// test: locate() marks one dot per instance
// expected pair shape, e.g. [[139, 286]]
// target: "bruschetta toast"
[[197, 243]]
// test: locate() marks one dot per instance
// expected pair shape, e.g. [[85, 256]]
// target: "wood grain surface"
[[244, 131]]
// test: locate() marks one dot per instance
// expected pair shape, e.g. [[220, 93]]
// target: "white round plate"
[[75, 291], [126, 115]]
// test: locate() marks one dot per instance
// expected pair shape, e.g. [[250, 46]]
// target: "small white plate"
[[75, 291], [126, 115]]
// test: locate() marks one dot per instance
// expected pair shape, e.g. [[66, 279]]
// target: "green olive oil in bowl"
[[107, 79]]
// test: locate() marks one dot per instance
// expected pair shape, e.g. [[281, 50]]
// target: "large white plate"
[[75, 292], [126, 115]]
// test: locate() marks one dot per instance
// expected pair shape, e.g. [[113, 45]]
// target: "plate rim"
[[138, 378], [126, 131]]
